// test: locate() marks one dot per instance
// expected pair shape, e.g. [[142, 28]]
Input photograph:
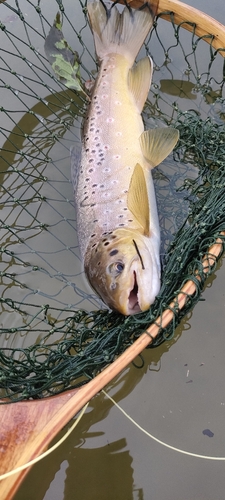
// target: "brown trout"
[[117, 216]]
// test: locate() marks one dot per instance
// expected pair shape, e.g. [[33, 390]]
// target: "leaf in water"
[[64, 60], [178, 88]]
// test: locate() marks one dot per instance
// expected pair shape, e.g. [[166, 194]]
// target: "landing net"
[[55, 333]]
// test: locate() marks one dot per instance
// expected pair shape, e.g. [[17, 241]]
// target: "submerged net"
[[54, 332]]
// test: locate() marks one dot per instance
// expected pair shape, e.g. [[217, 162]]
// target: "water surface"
[[178, 396]]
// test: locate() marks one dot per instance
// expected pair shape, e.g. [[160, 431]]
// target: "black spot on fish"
[[93, 192], [91, 160], [121, 225], [120, 216], [93, 151], [106, 243], [99, 163], [93, 204], [113, 252], [99, 113], [90, 170], [97, 131], [87, 179], [92, 236], [130, 220], [91, 129], [99, 263], [102, 185], [87, 150], [95, 220], [94, 185], [125, 208]]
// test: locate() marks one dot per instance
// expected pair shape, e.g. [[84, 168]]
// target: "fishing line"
[[70, 430], [47, 452], [184, 452]]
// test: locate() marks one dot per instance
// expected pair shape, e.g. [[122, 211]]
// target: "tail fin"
[[119, 33]]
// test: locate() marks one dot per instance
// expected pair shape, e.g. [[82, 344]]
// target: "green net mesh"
[[54, 332]]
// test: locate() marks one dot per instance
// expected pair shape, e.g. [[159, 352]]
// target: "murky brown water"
[[178, 396]]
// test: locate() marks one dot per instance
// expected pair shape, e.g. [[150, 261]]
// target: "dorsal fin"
[[137, 199], [75, 156], [157, 144], [139, 81]]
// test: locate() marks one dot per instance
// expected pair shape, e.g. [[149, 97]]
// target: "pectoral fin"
[[157, 144], [139, 81], [137, 198]]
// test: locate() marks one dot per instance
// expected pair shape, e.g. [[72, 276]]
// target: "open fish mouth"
[[133, 303]]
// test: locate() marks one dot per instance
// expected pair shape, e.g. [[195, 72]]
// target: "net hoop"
[[205, 26], [34, 442]]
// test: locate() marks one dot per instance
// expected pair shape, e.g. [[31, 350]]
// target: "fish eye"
[[116, 268], [119, 267]]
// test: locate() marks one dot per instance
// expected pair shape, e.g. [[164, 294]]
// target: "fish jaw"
[[124, 281], [143, 287], [129, 299]]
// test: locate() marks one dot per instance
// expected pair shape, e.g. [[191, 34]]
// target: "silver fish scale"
[[110, 151]]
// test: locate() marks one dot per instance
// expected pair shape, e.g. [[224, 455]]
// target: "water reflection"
[[181, 88]]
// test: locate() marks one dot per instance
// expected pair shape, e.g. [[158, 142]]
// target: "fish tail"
[[120, 33]]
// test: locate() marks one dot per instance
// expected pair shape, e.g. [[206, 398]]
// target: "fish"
[[117, 219]]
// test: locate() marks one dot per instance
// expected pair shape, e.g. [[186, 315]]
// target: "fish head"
[[123, 268]]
